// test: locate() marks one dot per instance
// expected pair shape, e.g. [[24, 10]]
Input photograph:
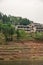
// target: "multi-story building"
[[39, 27], [27, 28], [33, 27]]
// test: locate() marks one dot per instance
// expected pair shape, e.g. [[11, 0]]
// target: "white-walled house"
[[28, 28]]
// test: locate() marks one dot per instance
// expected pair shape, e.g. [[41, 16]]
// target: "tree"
[[0, 15], [8, 31], [20, 34], [6, 19], [11, 31], [25, 21], [0, 26]]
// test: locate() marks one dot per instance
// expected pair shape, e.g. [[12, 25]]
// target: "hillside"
[[14, 20], [18, 45], [22, 51]]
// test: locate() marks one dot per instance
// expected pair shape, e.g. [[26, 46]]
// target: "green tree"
[[25, 21], [5, 19], [8, 31], [0, 27], [20, 34], [0, 15]]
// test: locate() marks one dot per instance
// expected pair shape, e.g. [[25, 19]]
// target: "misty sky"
[[31, 9]]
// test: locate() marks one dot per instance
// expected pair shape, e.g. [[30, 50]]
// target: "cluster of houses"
[[33, 27]]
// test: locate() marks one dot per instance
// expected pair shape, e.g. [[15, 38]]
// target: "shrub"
[[38, 36]]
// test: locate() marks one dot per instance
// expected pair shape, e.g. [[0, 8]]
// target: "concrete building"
[[27, 28], [33, 27], [39, 27]]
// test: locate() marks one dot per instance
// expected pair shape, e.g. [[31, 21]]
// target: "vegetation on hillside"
[[14, 20], [8, 32]]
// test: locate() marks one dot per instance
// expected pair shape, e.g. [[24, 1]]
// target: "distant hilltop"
[[21, 23], [14, 20]]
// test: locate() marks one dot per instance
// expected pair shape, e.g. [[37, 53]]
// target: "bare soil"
[[22, 50]]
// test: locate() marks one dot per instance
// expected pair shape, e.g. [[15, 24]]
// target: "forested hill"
[[14, 20]]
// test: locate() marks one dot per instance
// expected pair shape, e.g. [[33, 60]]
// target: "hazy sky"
[[31, 9]]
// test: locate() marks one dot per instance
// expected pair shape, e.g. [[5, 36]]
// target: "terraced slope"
[[22, 51]]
